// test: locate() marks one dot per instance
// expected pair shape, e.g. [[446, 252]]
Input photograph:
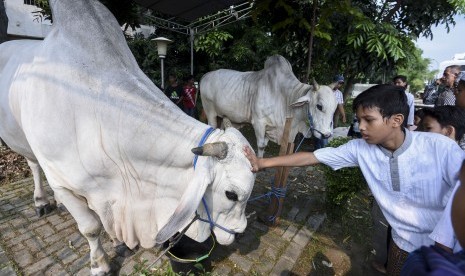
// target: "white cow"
[[114, 149], [265, 98]]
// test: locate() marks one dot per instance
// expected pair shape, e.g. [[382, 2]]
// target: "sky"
[[444, 45]]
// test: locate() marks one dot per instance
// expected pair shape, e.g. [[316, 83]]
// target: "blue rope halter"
[[209, 219], [277, 193]]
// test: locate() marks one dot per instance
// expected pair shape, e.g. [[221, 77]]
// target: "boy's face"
[[399, 82], [374, 128], [431, 125]]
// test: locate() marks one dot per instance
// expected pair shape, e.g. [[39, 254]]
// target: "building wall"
[[21, 21]]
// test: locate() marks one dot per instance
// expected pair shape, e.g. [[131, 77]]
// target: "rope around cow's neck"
[[310, 129]]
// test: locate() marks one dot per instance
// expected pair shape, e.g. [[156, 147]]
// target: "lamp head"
[[162, 45]]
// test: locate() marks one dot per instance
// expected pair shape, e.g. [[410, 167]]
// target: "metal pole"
[[162, 74], [191, 31]]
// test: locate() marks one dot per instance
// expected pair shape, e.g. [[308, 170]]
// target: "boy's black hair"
[[401, 77], [421, 112], [449, 115], [388, 98]]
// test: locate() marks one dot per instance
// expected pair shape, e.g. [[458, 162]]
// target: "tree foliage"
[[125, 11]]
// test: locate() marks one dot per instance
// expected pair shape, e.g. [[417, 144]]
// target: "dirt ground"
[[342, 246]]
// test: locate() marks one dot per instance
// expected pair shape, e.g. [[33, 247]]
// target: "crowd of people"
[[412, 162]]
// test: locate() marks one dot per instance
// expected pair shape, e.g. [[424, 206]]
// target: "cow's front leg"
[[89, 225], [43, 206]]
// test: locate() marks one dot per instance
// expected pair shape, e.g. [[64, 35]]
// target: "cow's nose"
[[327, 135]]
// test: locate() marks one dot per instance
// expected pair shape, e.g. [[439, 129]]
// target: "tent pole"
[[191, 32]]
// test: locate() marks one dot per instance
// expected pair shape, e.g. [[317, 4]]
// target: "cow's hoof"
[[61, 208], [123, 251], [49, 208], [45, 209]]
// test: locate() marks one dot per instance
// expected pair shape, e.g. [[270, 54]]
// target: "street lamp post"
[[162, 45]]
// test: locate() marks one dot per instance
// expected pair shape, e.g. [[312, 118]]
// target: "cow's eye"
[[231, 196], [320, 107]]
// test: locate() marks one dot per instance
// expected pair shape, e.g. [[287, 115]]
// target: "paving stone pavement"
[[52, 244]]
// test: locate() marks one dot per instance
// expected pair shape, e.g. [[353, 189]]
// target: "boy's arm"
[[298, 159]]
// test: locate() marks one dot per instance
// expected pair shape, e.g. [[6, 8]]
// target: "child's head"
[[380, 110], [190, 79], [400, 80], [446, 120], [172, 78]]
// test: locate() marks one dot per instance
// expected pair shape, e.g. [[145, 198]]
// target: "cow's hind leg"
[[89, 225], [42, 204]]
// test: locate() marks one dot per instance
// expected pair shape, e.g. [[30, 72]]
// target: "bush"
[[343, 184]]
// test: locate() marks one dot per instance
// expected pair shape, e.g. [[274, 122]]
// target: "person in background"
[[459, 90], [189, 95], [174, 91], [447, 97], [431, 92], [411, 191], [418, 116], [338, 81], [401, 81]]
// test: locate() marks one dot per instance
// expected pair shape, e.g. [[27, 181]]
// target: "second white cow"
[[265, 99]]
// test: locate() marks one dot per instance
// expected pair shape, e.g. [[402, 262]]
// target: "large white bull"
[[265, 98], [114, 149]]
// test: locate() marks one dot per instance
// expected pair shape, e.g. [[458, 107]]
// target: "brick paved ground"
[[52, 245]]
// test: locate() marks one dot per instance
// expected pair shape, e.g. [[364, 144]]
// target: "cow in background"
[[265, 98], [115, 150]]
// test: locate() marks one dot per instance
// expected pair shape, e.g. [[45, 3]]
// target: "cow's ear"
[[189, 202], [301, 101]]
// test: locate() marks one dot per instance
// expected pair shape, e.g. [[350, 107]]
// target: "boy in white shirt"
[[410, 174]]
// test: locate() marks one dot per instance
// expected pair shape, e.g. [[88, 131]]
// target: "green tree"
[[367, 38], [125, 11]]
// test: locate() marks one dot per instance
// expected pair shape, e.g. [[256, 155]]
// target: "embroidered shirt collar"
[[405, 145]]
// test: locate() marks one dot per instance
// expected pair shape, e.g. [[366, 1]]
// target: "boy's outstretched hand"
[[252, 158]]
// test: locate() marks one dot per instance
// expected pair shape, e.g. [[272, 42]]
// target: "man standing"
[[401, 81], [447, 96], [338, 81]]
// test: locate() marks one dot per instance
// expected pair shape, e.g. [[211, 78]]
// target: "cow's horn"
[[218, 149], [316, 86], [227, 123]]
